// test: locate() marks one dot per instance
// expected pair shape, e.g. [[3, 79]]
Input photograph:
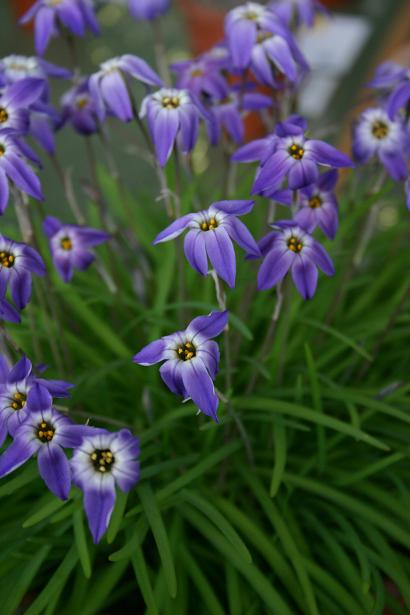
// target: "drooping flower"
[[387, 76], [376, 135], [210, 235], [17, 67], [13, 167], [8, 312], [17, 392], [78, 108], [101, 463], [242, 25], [274, 56], [289, 247], [45, 432], [172, 116], [44, 120], [148, 9], [201, 76], [51, 16], [297, 158], [70, 245], [15, 101], [226, 114], [300, 11], [318, 205], [17, 264], [109, 86], [191, 360], [399, 98]]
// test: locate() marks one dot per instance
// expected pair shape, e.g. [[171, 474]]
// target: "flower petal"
[[195, 252], [98, 505], [44, 26], [38, 398], [115, 94], [323, 153], [302, 173], [199, 386], [208, 326], [240, 233], [274, 267], [54, 470], [170, 373], [304, 274], [237, 208], [174, 229], [20, 371], [221, 254], [20, 286], [152, 353], [166, 126], [19, 451]]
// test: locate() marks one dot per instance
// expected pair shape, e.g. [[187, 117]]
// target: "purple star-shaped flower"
[[109, 86], [297, 158], [17, 264], [318, 205], [210, 235], [302, 11], [13, 167], [15, 100], [191, 360], [51, 16], [79, 108], [17, 392], [148, 9], [376, 135], [70, 245], [44, 433], [172, 115], [102, 462], [226, 114], [290, 248]]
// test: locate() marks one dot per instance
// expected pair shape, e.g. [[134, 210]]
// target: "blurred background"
[[342, 52]]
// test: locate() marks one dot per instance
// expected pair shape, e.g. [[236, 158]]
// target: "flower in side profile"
[[242, 25], [15, 101], [210, 235], [70, 245], [226, 115], [290, 248], [17, 264], [17, 67], [300, 11], [13, 167], [376, 135], [79, 108], [297, 159], [148, 9], [202, 77], [191, 360], [52, 16], [399, 98], [17, 391], [318, 205], [44, 433], [102, 462], [109, 86], [172, 116]]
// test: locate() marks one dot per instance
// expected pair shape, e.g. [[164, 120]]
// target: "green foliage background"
[[316, 521]]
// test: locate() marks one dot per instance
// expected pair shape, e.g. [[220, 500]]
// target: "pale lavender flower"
[[79, 108], [173, 117], [318, 205], [102, 462]]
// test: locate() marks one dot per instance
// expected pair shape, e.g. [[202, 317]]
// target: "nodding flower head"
[[210, 235], [101, 463], [109, 86], [173, 118], [52, 16], [191, 360], [300, 11], [289, 247], [376, 135]]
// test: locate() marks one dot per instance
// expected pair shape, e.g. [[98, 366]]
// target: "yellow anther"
[[4, 116], [380, 129], [66, 243]]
